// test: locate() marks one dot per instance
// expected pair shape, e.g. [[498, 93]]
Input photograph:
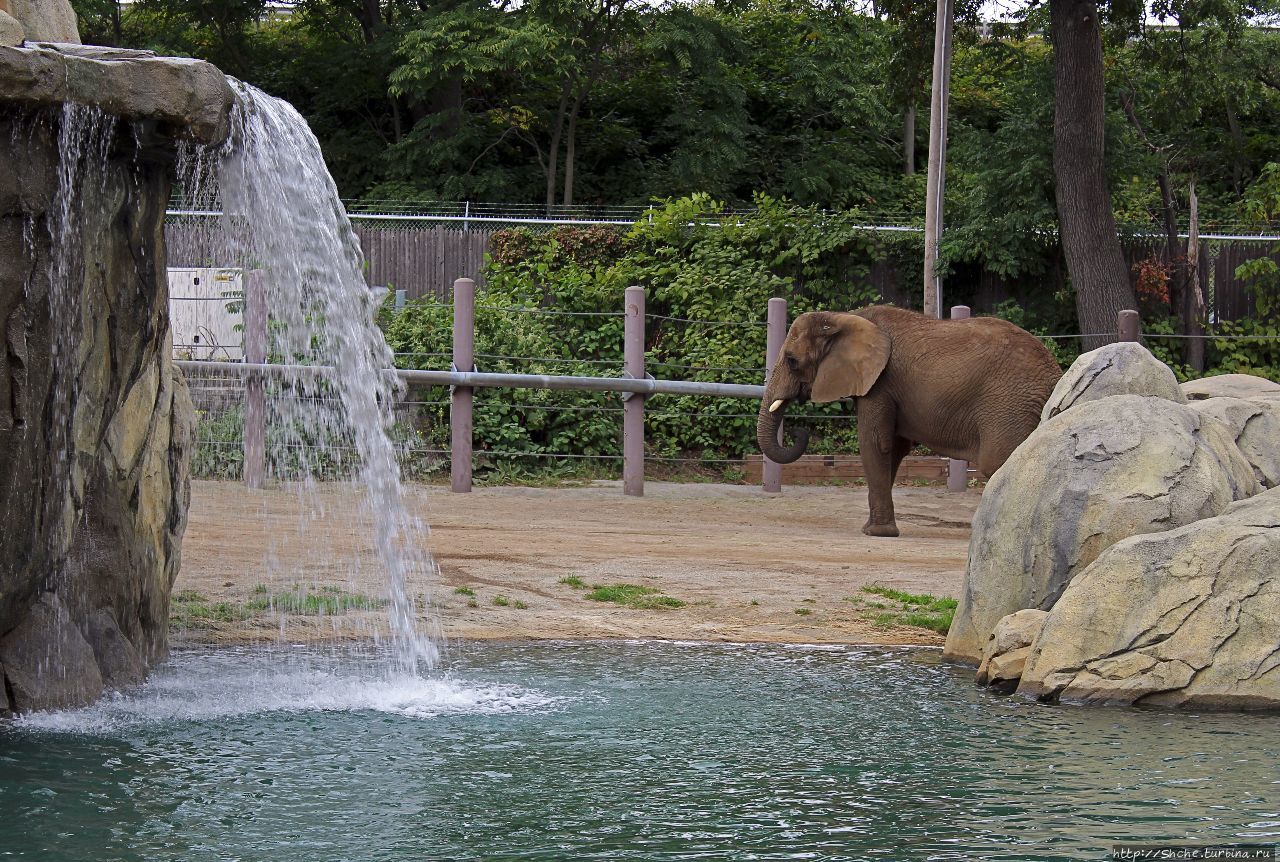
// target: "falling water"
[[285, 227], [85, 138]]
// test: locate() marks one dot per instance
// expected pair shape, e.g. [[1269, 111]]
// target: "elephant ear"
[[858, 353]]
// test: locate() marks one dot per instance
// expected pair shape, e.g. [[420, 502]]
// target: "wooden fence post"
[[460, 398], [1127, 323], [957, 470], [776, 334], [255, 402], [633, 405]]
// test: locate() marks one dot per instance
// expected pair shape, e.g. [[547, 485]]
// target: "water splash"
[[284, 226], [230, 683]]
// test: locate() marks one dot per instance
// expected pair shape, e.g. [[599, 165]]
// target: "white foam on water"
[[206, 687]]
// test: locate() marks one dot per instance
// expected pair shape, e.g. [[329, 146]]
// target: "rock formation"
[[96, 426], [1006, 652], [1187, 617], [1126, 368], [44, 20], [1125, 551], [1098, 473], [1231, 386]]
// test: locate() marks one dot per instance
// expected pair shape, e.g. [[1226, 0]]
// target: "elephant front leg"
[[881, 454]]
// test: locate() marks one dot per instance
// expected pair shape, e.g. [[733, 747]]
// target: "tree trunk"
[[1238, 147], [1088, 225], [1195, 296], [909, 140], [1173, 250], [553, 150], [570, 150]]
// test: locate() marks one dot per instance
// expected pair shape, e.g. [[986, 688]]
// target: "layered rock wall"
[[96, 425]]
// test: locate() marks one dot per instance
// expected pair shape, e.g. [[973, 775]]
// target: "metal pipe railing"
[[483, 379]]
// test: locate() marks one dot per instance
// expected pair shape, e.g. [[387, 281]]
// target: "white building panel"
[[205, 310]]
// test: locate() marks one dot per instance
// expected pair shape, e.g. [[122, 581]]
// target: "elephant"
[[971, 389]]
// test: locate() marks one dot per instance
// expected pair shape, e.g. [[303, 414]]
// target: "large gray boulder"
[[1255, 425], [1245, 386], [1187, 617], [11, 32], [1101, 472], [46, 660], [1123, 368], [46, 20]]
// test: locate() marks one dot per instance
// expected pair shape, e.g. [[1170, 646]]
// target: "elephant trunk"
[[768, 428]]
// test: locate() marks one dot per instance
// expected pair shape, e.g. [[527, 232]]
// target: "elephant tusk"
[[773, 408]]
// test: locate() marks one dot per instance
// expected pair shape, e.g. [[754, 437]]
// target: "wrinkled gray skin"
[[969, 389]]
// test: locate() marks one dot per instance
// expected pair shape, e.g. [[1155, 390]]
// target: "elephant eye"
[[792, 362]]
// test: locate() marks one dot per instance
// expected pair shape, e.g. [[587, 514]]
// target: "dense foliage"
[[744, 104], [623, 102]]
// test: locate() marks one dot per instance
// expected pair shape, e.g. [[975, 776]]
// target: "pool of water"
[[620, 751]]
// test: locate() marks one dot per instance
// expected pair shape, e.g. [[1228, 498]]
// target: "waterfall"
[[85, 138], [284, 226]]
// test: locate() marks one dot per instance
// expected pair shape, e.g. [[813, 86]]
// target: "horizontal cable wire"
[[706, 322]]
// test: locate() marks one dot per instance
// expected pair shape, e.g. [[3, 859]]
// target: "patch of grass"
[[501, 601], [464, 591], [574, 581], [632, 596], [260, 589], [519, 605], [472, 603], [755, 602], [804, 612], [914, 610], [190, 609], [319, 601]]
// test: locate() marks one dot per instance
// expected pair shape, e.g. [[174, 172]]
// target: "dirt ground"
[[747, 565]]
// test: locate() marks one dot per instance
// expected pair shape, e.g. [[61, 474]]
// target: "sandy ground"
[[743, 562]]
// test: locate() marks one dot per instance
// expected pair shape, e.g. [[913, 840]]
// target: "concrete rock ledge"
[[185, 98]]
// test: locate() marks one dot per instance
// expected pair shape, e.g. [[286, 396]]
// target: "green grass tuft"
[[319, 601], [191, 609], [501, 601], [914, 610], [574, 581], [464, 591], [632, 596], [804, 612]]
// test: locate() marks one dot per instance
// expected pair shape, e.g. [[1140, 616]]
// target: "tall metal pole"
[[940, 99]]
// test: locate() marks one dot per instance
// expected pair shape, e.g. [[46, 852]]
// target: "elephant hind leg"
[[991, 456]]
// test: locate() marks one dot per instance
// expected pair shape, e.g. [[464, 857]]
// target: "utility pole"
[[940, 99]]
